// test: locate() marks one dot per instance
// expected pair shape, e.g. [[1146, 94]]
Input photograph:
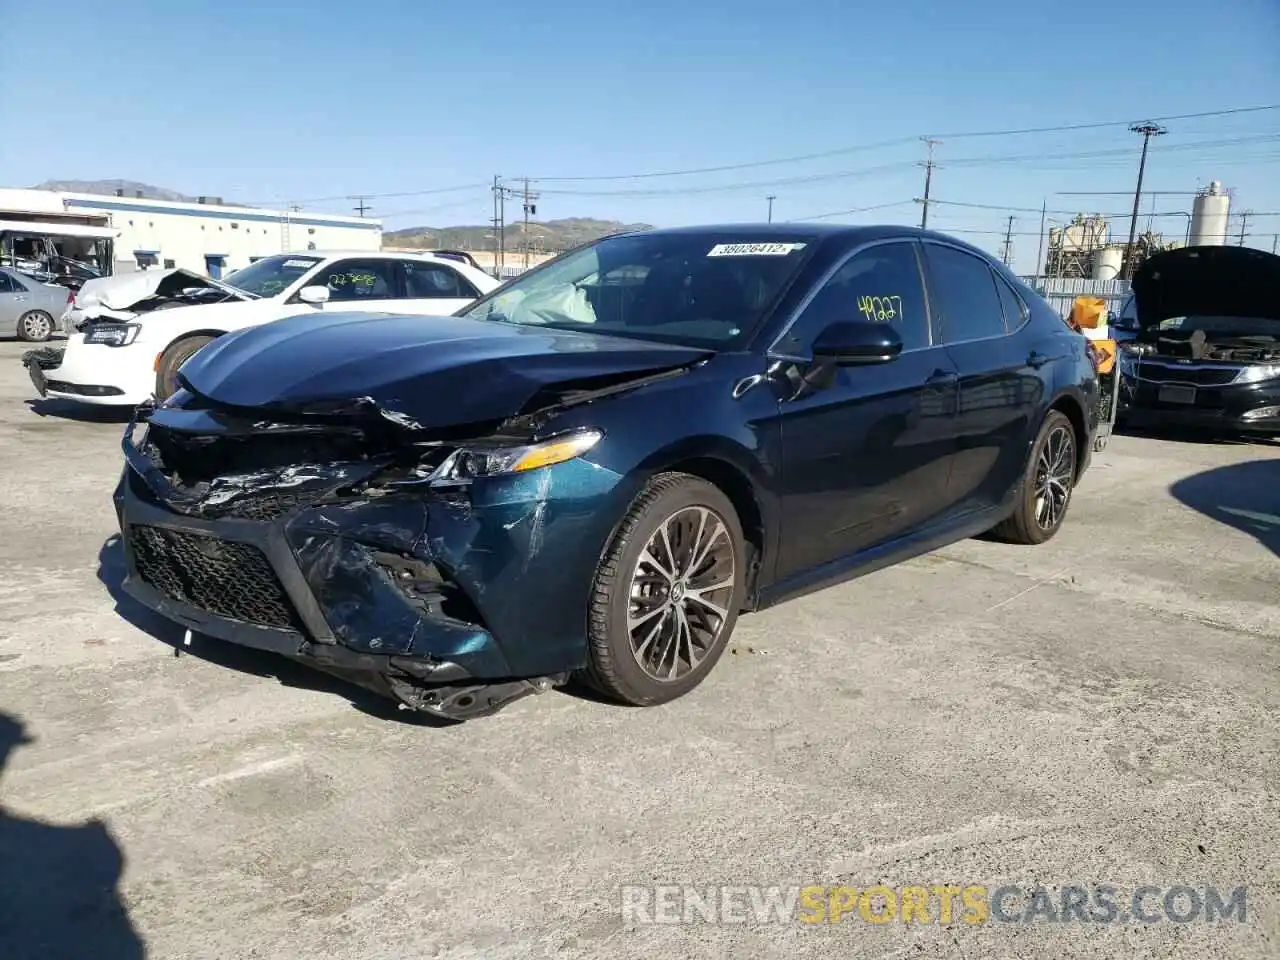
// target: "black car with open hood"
[[1206, 352]]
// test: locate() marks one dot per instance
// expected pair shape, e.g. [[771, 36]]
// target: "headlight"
[[472, 462], [1258, 372], [478, 460], [113, 334]]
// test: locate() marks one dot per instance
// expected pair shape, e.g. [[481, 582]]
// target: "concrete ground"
[[1103, 709]]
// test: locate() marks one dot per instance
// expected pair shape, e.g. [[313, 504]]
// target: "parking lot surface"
[[1103, 709]]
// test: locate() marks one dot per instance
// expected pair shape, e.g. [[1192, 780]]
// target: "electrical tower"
[[928, 181], [530, 207], [1006, 253], [1148, 130]]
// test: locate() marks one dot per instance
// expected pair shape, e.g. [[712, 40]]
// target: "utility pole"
[[771, 197], [1244, 219], [1148, 130], [1006, 253], [1275, 239], [928, 181], [361, 206], [1044, 208], [497, 224], [530, 206]]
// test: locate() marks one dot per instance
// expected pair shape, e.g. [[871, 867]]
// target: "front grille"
[[223, 577], [1200, 376], [194, 459]]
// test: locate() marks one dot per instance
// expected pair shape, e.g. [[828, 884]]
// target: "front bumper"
[[515, 557], [1230, 408], [97, 374]]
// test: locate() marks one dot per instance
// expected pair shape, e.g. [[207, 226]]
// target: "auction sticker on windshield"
[[754, 249]]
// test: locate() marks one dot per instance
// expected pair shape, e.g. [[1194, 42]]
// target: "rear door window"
[[1015, 310], [964, 292], [433, 281]]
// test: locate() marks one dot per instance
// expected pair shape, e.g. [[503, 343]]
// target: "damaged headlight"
[[113, 335], [473, 462], [1256, 373], [478, 460]]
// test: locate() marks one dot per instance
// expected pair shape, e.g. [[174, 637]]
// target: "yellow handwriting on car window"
[[353, 279], [882, 309]]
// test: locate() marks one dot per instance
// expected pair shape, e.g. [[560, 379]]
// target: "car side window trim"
[[774, 352], [1025, 308], [991, 272]]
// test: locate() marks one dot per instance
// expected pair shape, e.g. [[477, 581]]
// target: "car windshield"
[[1231, 326], [704, 289], [270, 275]]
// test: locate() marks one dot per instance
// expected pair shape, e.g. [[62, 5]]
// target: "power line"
[[900, 141], [847, 213]]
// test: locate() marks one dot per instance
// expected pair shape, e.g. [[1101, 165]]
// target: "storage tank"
[[1107, 263], [1209, 212]]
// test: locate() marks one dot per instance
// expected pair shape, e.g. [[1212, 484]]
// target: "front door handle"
[[940, 377], [1037, 359]]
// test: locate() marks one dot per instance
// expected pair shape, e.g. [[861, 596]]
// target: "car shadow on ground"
[[80, 412], [259, 663], [1245, 496], [58, 884]]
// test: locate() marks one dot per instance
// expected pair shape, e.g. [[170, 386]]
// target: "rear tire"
[[35, 326], [174, 356], [666, 593], [1045, 492]]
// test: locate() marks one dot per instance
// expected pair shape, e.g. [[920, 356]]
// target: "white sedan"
[[133, 332]]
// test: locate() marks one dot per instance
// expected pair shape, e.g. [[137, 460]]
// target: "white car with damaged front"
[[132, 333]]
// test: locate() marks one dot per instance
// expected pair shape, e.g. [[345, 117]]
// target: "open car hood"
[[139, 292], [1207, 281], [419, 372]]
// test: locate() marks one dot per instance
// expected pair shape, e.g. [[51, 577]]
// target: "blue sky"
[[262, 103]]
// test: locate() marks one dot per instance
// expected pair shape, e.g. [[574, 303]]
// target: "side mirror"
[[315, 293], [857, 342]]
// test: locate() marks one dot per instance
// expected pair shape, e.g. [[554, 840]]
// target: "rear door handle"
[[942, 377]]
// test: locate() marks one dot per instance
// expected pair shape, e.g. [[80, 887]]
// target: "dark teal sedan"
[[594, 470]]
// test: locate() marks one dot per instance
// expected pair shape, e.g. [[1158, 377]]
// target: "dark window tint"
[[965, 295], [431, 281], [1015, 311], [881, 284], [357, 280], [7, 285]]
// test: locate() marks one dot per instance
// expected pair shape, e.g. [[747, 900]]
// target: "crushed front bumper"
[[453, 603]]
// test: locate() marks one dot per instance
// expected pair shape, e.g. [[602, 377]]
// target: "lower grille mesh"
[[223, 577]]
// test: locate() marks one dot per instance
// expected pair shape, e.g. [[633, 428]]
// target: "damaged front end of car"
[[437, 566]]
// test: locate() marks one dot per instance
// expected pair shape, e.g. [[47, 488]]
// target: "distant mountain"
[[131, 188], [549, 235]]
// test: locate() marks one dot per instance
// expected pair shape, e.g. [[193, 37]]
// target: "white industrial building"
[[207, 236]]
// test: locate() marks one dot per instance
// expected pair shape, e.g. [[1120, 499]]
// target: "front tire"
[[174, 356], [667, 592], [1046, 486], [35, 326]]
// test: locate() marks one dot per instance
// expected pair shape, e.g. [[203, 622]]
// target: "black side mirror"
[[857, 342]]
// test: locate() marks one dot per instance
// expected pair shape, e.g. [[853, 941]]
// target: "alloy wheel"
[[36, 326], [1055, 471], [680, 592]]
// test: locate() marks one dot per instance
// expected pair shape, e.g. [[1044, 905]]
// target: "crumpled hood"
[[1207, 281], [126, 291], [421, 372]]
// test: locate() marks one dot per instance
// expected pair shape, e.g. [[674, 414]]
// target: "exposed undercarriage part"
[[46, 358]]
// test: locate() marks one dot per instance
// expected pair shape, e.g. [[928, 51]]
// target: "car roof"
[[848, 234], [378, 254]]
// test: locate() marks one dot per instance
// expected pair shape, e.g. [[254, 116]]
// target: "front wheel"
[[177, 353], [35, 326], [667, 592], [1046, 486]]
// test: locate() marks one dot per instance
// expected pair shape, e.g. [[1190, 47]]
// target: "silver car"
[[30, 309]]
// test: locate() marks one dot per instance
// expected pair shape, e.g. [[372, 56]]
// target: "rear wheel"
[[1046, 485], [35, 326], [666, 593], [177, 353]]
